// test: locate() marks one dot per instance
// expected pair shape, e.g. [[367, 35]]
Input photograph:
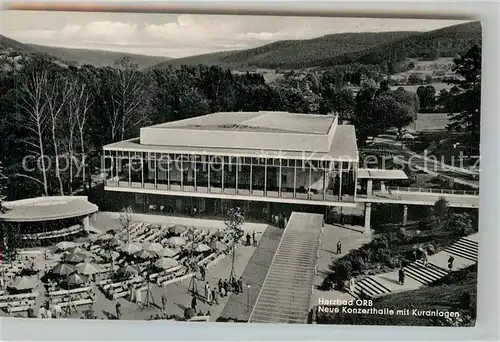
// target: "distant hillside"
[[98, 58], [10, 45], [293, 53], [388, 49], [445, 42]]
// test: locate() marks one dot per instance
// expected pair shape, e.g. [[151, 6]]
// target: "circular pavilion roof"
[[47, 209]]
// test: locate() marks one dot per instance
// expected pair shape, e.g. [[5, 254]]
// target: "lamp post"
[[248, 297]]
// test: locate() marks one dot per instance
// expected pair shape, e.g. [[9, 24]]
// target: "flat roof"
[[47, 209], [277, 122], [343, 147], [381, 174]]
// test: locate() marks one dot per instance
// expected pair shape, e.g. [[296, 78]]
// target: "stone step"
[[424, 274], [464, 248], [370, 287], [470, 246]]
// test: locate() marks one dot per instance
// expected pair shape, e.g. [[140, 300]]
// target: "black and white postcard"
[[224, 168]]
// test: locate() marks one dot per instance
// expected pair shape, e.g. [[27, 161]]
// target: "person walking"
[[164, 303], [209, 295], [207, 289], [450, 263], [352, 285], [215, 297], [339, 247], [138, 297], [424, 258], [203, 272], [194, 303], [240, 285], [254, 237], [219, 285], [118, 310], [248, 239], [401, 274], [57, 310], [42, 313]]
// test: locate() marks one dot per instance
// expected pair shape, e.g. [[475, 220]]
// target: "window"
[[283, 179]]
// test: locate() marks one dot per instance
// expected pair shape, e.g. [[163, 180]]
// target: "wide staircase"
[[465, 249], [286, 293]]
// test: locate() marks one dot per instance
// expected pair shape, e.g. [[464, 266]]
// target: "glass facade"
[[311, 180]]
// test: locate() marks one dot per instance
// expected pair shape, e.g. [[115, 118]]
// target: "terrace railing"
[[434, 191]]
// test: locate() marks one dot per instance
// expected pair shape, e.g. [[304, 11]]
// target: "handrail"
[[434, 191]]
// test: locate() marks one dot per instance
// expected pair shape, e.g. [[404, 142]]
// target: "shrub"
[[460, 224], [326, 285]]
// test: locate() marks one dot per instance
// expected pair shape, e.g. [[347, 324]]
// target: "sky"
[[181, 35]]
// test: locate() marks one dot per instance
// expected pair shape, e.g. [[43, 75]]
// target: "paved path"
[[286, 293], [465, 252], [239, 306]]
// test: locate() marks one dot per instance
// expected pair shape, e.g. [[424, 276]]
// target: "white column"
[[209, 159], [265, 177], [112, 166], [222, 181], [279, 181], [324, 184], [156, 171], [236, 166], [86, 224], [168, 171], [182, 172], [194, 163], [355, 170], [405, 214], [142, 170], [340, 182], [129, 170], [310, 181], [369, 187], [295, 179], [368, 216], [251, 176]]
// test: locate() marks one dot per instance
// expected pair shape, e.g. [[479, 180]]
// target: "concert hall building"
[[262, 162]]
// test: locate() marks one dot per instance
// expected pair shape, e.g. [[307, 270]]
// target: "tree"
[[460, 223], [126, 220], [406, 110], [395, 109], [427, 97], [339, 101], [79, 107], [57, 95], [10, 238], [3, 189], [467, 98], [127, 99], [33, 85], [234, 222], [440, 209], [366, 121], [415, 79]]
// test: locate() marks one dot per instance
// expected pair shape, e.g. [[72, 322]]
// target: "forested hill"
[[293, 53], [387, 49], [445, 42], [97, 58]]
